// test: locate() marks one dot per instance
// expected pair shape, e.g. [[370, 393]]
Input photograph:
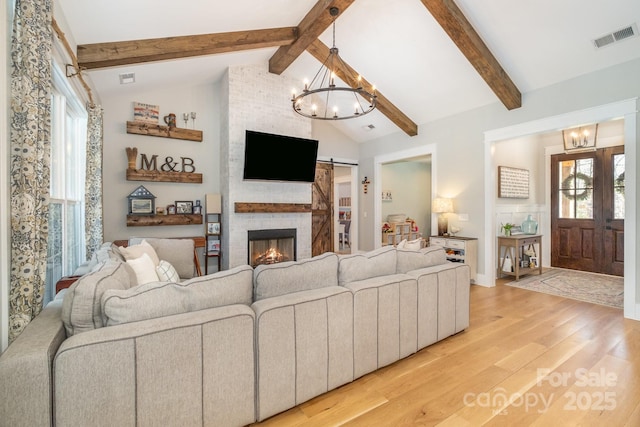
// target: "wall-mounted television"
[[279, 158]]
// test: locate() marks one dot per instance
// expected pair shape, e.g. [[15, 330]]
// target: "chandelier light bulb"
[[306, 85], [332, 83]]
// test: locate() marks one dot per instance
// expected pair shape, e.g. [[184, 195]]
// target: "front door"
[[587, 211], [322, 210]]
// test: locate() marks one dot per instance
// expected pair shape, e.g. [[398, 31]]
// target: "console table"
[[513, 247]]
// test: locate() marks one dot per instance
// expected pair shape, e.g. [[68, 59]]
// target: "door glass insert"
[[576, 189], [618, 186]]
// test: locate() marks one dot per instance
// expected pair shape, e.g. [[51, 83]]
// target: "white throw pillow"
[[136, 251], [166, 272], [144, 269], [413, 244]]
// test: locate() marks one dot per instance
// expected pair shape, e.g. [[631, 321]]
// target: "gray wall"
[[460, 141]]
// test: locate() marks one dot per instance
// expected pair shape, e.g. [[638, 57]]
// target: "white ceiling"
[[397, 46]]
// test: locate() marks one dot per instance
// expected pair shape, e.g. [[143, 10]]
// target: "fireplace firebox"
[[271, 246]]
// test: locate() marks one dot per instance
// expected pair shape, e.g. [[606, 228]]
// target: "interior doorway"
[[342, 210], [625, 110]]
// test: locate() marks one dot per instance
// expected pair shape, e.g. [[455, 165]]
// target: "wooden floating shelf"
[[148, 220], [157, 176], [242, 207], [142, 128]]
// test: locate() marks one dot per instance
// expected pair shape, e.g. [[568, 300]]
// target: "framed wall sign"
[[513, 183]]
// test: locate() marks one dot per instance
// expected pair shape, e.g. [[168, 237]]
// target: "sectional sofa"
[[226, 349]]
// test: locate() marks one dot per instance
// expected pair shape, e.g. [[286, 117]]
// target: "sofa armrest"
[[26, 371]]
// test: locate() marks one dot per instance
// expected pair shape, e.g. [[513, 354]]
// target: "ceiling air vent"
[[126, 78], [616, 36]]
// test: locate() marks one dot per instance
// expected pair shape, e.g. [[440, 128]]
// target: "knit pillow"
[[166, 272]]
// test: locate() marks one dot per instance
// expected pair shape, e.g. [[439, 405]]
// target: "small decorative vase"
[[529, 226], [507, 233]]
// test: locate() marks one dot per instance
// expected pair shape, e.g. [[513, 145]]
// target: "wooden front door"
[[587, 211], [322, 210]]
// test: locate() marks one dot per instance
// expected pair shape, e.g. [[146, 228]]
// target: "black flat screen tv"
[[279, 158]]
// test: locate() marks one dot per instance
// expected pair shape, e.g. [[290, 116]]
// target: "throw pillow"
[[402, 244], [144, 269], [166, 272], [81, 309], [136, 251], [413, 244]]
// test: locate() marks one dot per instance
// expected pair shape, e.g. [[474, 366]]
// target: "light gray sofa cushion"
[[81, 308], [379, 262], [159, 299], [414, 259], [304, 346], [179, 252], [294, 276], [192, 369]]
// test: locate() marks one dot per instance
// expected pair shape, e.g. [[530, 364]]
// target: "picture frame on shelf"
[[171, 209], [197, 210], [141, 206], [184, 207], [213, 246], [213, 228]]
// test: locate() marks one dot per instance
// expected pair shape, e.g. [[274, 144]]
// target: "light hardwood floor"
[[491, 374]]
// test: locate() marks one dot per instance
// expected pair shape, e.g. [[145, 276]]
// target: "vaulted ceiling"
[[427, 58]]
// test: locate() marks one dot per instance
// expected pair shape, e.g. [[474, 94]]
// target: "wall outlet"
[[463, 217]]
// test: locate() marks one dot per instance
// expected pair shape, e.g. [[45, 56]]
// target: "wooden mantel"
[[244, 207]]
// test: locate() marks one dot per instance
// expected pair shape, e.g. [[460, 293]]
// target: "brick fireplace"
[[254, 99]]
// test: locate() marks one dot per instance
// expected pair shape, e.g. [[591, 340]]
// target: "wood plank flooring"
[[527, 359]]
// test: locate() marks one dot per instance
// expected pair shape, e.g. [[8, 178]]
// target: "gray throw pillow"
[[81, 307]]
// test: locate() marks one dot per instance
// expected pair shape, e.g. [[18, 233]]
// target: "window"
[[576, 188], [66, 245]]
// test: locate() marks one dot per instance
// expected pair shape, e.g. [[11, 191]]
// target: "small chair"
[[347, 227]]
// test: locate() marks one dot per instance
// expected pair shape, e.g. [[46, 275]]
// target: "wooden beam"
[[456, 25], [350, 76], [101, 55], [317, 20]]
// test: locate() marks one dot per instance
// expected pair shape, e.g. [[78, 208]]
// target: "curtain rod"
[[74, 60]]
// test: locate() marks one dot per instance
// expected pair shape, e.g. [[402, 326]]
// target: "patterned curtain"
[[30, 123], [93, 184]]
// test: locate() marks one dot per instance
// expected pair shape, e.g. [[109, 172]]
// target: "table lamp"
[[442, 206]]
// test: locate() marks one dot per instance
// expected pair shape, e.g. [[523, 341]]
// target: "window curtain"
[[30, 122], [93, 183]]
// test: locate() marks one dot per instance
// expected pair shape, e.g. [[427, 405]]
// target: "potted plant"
[[507, 228]]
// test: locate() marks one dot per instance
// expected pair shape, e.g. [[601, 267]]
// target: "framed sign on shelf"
[[513, 183]]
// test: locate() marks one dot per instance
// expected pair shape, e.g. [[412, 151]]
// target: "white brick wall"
[[255, 99]]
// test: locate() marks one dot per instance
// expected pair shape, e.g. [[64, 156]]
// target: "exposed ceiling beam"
[[350, 76], [101, 55], [456, 25], [317, 20]]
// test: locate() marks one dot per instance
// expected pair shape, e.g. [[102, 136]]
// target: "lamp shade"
[[442, 205]]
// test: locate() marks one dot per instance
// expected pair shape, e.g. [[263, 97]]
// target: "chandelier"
[[323, 100], [581, 138]]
